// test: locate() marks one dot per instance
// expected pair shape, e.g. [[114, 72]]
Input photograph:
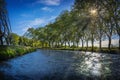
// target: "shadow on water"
[[61, 65]]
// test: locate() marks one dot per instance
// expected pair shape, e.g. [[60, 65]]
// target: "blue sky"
[[24, 14]]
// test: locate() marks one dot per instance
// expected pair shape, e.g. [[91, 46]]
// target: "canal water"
[[61, 65]]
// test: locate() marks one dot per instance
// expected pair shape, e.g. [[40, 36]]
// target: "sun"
[[93, 12]]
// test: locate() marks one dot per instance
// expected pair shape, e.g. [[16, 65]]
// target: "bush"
[[20, 51], [7, 52]]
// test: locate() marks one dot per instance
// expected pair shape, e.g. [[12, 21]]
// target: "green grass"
[[7, 52]]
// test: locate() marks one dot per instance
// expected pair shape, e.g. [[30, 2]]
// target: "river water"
[[61, 65]]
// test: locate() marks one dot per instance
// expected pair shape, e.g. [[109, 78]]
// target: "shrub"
[[7, 52]]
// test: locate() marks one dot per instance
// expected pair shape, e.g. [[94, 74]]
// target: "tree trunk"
[[109, 43], [73, 44], [68, 43], [92, 43], [61, 43], [100, 44], [82, 44], [52, 44], [119, 42], [49, 44], [65, 45], [86, 44], [56, 44]]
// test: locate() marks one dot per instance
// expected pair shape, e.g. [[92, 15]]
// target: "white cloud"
[[25, 15], [31, 23], [47, 9], [49, 2], [24, 25], [37, 21]]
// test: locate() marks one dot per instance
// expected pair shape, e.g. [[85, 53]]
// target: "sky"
[[25, 14]]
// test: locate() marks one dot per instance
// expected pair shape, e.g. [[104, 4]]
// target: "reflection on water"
[[61, 65], [93, 65]]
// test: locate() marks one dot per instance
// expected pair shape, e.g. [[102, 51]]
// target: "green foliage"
[[15, 39], [7, 52], [20, 51], [23, 41]]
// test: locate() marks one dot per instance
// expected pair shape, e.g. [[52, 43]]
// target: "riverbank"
[[89, 49], [7, 52]]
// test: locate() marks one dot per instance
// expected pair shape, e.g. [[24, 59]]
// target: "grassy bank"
[[7, 52], [89, 49]]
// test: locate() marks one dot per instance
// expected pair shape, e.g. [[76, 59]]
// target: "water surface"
[[61, 65]]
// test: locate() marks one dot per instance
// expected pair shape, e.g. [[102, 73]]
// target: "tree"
[[5, 27], [108, 16], [111, 17], [15, 39]]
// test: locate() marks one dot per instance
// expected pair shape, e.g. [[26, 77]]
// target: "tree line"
[[87, 21], [23, 41]]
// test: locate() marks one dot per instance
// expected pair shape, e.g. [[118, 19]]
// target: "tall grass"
[[7, 52]]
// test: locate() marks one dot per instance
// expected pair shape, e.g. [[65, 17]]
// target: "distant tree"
[[15, 39]]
